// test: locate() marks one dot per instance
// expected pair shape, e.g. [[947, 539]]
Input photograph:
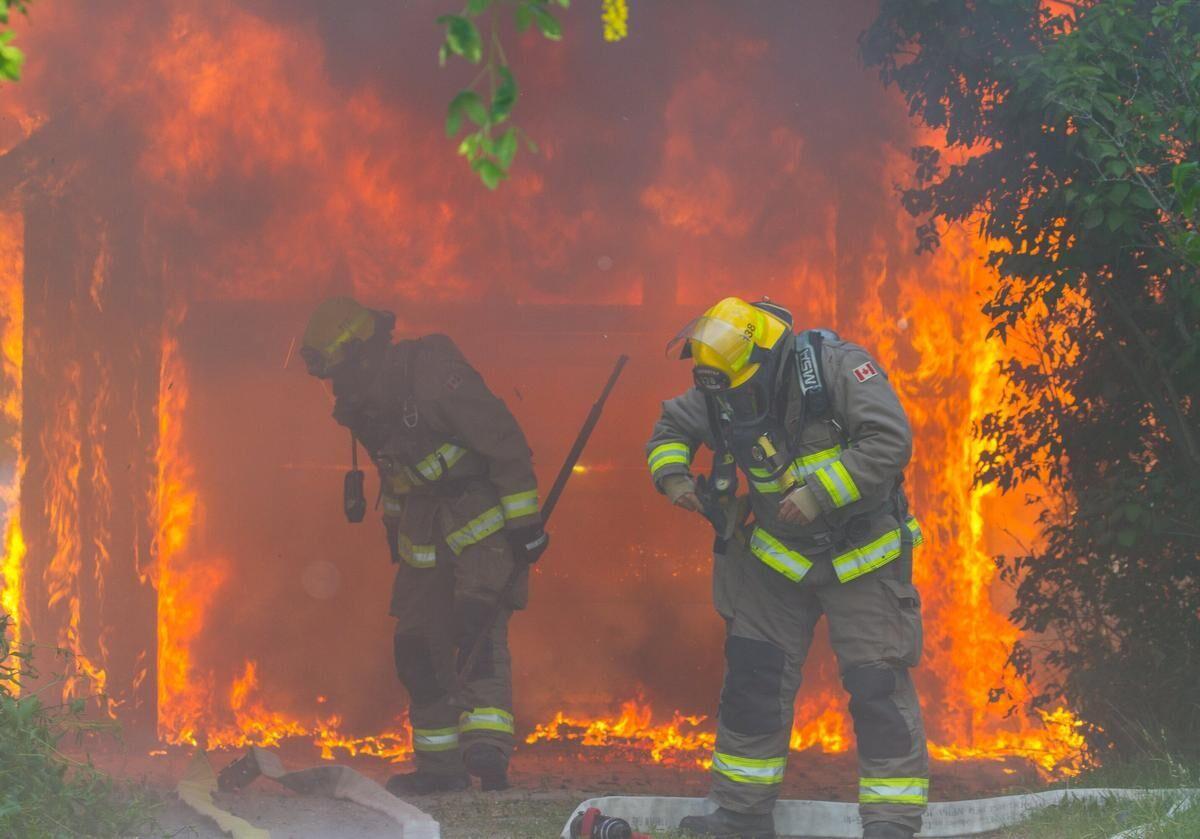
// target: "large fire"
[[267, 164]]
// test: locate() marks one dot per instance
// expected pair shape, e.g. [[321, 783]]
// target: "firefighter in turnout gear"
[[460, 507], [816, 432]]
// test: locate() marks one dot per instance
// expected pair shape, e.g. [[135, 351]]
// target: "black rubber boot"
[[726, 824], [426, 783], [887, 830], [489, 765]]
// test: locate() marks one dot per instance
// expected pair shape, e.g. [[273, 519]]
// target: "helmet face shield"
[[721, 339], [730, 344]]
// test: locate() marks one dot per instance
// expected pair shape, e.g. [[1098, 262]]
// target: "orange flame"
[[680, 741], [12, 325]]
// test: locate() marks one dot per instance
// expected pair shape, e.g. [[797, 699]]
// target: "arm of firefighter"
[[880, 439], [680, 430], [485, 425]]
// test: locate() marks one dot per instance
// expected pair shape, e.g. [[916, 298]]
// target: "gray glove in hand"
[[799, 506], [681, 491]]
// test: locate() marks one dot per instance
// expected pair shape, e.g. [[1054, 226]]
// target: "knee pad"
[[471, 622], [414, 666], [750, 702], [879, 727]]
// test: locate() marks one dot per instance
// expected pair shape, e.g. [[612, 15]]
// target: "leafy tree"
[[491, 147], [489, 150], [1074, 141], [11, 58]]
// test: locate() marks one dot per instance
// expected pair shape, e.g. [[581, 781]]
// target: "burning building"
[[183, 180]]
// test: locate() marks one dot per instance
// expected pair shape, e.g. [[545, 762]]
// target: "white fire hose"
[[837, 820]]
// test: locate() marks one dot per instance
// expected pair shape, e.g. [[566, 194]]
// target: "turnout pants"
[[440, 610], [875, 630]]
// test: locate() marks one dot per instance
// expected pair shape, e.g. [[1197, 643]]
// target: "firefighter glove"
[[528, 543], [681, 491], [799, 506]]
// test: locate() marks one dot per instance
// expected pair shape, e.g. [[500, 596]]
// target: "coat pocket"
[[909, 633]]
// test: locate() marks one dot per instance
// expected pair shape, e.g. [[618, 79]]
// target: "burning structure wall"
[[191, 177]]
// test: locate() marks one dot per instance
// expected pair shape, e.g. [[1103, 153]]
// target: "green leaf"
[[547, 23], [469, 147], [1143, 200], [1116, 220], [1093, 217], [477, 7], [1119, 192], [1127, 538], [466, 102], [505, 96], [489, 173], [462, 37], [506, 148], [524, 17]]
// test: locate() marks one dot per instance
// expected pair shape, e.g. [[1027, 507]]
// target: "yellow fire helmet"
[[730, 342], [333, 328]]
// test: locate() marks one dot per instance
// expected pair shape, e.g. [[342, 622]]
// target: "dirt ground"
[[548, 782]]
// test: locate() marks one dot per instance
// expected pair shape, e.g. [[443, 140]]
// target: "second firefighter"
[[460, 511]]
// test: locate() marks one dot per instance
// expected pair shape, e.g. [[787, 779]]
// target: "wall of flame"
[[232, 163]]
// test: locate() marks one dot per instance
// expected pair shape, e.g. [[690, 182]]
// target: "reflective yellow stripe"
[[392, 506], [893, 791], [838, 483], [748, 770], [762, 481], [809, 462], [668, 454], [431, 467], [858, 561], [418, 556], [774, 553], [486, 719], [476, 530], [915, 529], [520, 504], [435, 739], [800, 469]]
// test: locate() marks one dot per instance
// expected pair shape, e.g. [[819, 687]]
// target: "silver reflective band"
[[747, 770], [520, 504], [476, 530], [435, 739], [418, 556], [667, 454], [858, 561], [430, 468], [774, 553], [838, 483], [893, 791], [486, 719]]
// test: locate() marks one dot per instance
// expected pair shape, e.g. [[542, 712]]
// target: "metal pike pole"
[[556, 491]]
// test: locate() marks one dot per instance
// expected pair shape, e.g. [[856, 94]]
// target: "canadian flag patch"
[[865, 371]]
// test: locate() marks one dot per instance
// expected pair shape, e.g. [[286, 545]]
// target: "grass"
[[1080, 820], [44, 793]]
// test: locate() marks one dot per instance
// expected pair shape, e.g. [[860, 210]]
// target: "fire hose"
[[556, 491], [839, 820]]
